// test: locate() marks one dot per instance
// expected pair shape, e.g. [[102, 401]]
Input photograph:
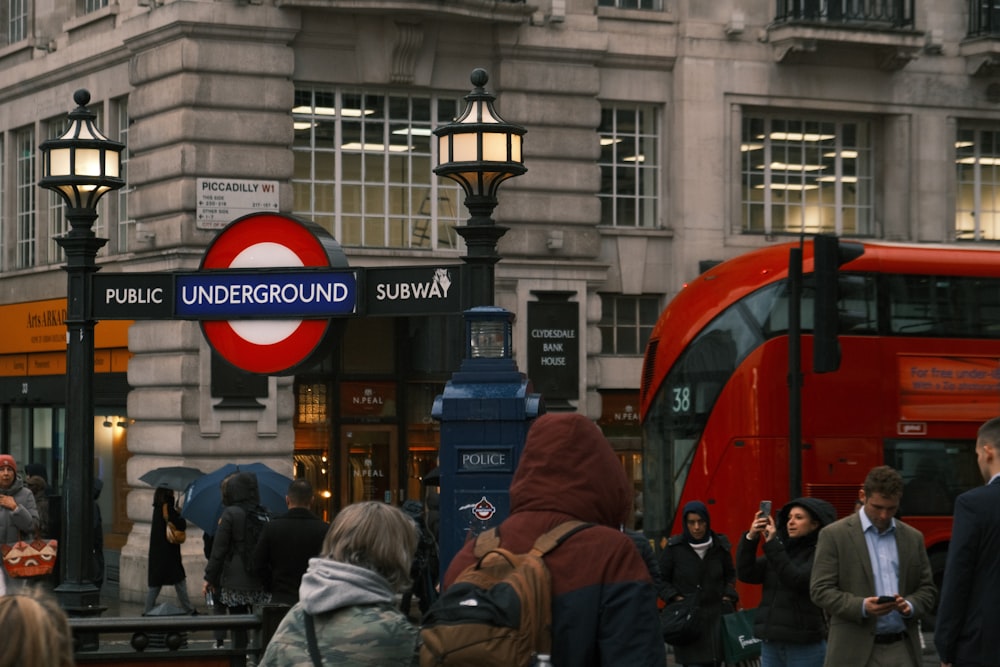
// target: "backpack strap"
[[490, 540], [314, 653], [550, 540]]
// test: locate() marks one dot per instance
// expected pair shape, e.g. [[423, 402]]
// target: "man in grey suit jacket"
[[967, 633], [856, 562]]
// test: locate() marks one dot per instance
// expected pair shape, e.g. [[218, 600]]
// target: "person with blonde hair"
[[38, 629], [347, 610]]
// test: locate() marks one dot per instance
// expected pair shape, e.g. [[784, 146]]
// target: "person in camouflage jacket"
[[349, 592]]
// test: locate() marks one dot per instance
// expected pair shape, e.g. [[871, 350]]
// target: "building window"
[[363, 168], [17, 21], [25, 186], [126, 224], [311, 404], [3, 219], [655, 5], [977, 206], [630, 166], [93, 5], [806, 175], [53, 203], [626, 322]]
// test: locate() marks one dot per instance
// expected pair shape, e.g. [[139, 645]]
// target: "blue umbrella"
[[203, 498]]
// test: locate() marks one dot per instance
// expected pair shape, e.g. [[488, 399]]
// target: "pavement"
[[120, 608], [930, 658]]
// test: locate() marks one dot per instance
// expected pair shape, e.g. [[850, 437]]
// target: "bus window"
[[934, 473], [952, 306]]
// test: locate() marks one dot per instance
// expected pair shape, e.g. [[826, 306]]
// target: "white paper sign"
[[222, 200]]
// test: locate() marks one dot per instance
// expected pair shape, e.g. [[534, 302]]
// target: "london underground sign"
[[252, 244], [271, 290]]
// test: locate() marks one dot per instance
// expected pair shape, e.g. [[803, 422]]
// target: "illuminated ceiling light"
[[833, 179], [375, 148], [303, 125], [610, 141], [782, 166], [634, 158], [798, 136], [330, 111], [746, 148], [964, 144], [413, 131], [985, 160], [847, 155], [787, 186]]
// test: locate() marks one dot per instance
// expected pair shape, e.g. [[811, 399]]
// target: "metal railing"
[[895, 14], [168, 639]]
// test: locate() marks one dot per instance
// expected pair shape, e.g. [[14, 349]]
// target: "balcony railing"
[[984, 18], [877, 14]]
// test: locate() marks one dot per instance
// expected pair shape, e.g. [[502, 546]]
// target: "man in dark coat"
[[699, 561], [967, 633], [287, 543], [603, 604]]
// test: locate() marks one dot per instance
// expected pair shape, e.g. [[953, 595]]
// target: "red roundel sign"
[[271, 241]]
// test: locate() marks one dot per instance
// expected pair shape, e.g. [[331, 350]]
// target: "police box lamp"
[[488, 340], [82, 164], [488, 333]]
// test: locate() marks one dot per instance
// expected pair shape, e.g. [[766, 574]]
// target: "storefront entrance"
[[370, 463]]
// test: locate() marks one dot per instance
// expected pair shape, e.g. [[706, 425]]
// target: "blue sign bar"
[[266, 295]]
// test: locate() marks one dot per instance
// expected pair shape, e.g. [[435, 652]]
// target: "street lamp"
[[81, 166], [480, 151]]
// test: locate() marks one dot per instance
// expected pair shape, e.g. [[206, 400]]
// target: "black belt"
[[890, 638]]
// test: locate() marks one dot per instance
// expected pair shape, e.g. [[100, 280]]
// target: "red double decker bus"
[[919, 332]]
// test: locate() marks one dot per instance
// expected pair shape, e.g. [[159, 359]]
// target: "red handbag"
[[29, 559]]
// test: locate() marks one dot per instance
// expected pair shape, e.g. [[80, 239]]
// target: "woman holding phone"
[[792, 628]]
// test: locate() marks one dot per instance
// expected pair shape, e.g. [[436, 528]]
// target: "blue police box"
[[485, 412]]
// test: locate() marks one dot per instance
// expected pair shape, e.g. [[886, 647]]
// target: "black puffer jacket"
[[684, 573], [786, 614]]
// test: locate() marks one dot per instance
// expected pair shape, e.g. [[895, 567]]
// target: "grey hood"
[[329, 585]]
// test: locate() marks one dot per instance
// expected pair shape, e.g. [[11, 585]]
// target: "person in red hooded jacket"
[[604, 608]]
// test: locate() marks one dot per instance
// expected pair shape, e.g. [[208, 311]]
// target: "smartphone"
[[882, 599], [765, 508]]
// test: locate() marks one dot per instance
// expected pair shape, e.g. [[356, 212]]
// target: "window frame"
[[359, 186], [782, 153], [970, 157], [630, 183], [616, 325]]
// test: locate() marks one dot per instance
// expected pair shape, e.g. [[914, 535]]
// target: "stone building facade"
[[662, 136]]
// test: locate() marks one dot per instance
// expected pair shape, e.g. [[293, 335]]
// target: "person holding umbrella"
[[165, 565], [229, 575]]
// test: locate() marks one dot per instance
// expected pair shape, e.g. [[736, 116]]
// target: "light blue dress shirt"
[[884, 558]]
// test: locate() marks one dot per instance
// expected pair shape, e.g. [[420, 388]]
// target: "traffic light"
[[829, 253]]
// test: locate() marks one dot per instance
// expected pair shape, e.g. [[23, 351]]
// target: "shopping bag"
[[29, 559], [679, 621], [738, 642]]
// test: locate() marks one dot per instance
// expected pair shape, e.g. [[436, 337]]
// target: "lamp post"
[[480, 151], [81, 166]]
